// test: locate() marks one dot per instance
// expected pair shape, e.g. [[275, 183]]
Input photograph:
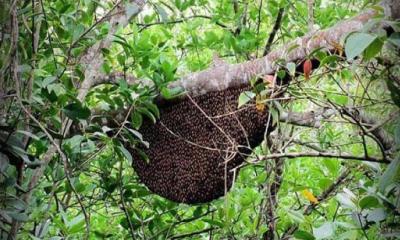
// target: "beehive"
[[191, 143]]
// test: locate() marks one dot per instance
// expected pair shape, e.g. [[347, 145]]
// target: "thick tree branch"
[[232, 75], [392, 8], [93, 59]]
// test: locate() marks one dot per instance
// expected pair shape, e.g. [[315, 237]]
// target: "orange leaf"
[[310, 196], [269, 80], [307, 67], [260, 106]]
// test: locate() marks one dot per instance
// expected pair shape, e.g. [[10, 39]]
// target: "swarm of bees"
[[198, 145]]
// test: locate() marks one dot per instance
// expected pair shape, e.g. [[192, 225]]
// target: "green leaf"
[[299, 234], [143, 155], [137, 120], [214, 222], [395, 39], [76, 111], [245, 97], [345, 200], [153, 108], [131, 9], [296, 216], [339, 99], [394, 92], [147, 113], [73, 145], [291, 67], [248, 197], [121, 40], [170, 93], [373, 49], [48, 80], [330, 60], [349, 235], [377, 215], [21, 217], [391, 175], [141, 193], [368, 202], [163, 13], [325, 231], [197, 212], [77, 32], [139, 136], [125, 153], [56, 88], [332, 165], [106, 68], [76, 224], [356, 43], [178, 4]]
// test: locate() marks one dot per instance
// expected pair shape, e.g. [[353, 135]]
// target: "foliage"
[[318, 198]]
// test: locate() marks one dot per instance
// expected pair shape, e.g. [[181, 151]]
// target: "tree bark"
[[218, 78]]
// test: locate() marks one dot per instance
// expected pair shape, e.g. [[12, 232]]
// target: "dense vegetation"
[[64, 170]]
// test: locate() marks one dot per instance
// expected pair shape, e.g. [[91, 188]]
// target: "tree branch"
[[325, 155], [233, 75], [275, 29], [371, 126], [93, 59], [332, 188], [314, 119], [307, 119], [182, 20], [273, 188], [192, 233]]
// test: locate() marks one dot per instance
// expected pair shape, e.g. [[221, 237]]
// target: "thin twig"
[[277, 25]]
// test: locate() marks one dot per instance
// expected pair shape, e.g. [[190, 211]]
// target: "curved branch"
[[307, 119], [233, 75], [93, 59], [374, 128]]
